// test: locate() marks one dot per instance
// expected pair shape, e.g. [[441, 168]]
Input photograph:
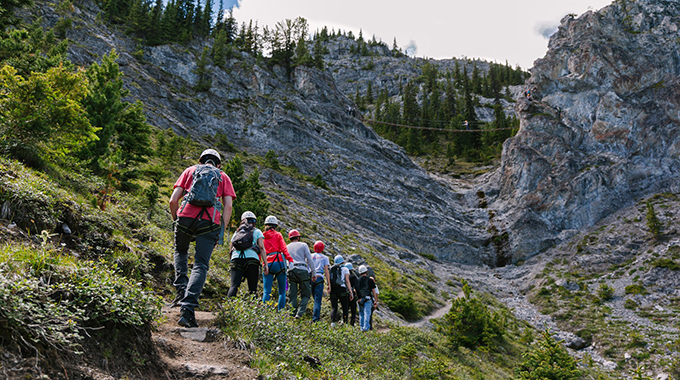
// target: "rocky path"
[[201, 352]]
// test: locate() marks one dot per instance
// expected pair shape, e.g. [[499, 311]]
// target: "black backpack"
[[354, 280], [206, 180], [336, 276], [243, 237], [364, 291]]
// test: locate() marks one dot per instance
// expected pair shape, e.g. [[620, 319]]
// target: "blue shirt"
[[249, 253]]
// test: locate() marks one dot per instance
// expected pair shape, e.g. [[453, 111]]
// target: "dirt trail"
[[200, 352]]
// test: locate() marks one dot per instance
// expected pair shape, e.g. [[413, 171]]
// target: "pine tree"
[[153, 35], [302, 56], [204, 79], [219, 49], [396, 51], [653, 222], [248, 190], [369, 93], [548, 361], [318, 53], [123, 130]]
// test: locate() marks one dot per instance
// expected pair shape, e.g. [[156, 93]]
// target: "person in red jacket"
[[277, 255]]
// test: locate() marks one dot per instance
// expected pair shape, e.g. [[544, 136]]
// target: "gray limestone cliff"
[[602, 127]]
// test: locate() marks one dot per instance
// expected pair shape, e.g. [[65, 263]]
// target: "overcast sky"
[[494, 30]]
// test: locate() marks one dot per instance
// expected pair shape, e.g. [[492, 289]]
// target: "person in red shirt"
[[202, 223], [277, 258]]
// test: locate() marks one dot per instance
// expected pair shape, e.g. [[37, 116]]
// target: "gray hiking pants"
[[206, 234], [299, 278]]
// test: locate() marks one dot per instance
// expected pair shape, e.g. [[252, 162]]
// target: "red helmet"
[[319, 246], [293, 233]]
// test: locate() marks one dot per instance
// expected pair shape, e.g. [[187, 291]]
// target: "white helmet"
[[210, 152], [362, 269], [248, 215], [271, 219]]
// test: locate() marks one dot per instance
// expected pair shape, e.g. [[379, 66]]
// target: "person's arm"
[[375, 298], [310, 264], [263, 256], [284, 249], [348, 283], [328, 278], [226, 216], [177, 194], [226, 212]]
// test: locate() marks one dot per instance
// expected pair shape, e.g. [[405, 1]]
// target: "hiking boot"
[[175, 302], [180, 295], [187, 318]]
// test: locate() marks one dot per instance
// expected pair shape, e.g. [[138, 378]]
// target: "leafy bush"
[[47, 298], [666, 263], [401, 303], [282, 344], [470, 323], [548, 361], [271, 160], [653, 222], [635, 289], [605, 292]]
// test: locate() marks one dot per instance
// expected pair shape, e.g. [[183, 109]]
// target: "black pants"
[[353, 311], [344, 302], [240, 268]]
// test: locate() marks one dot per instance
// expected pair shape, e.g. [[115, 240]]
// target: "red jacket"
[[273, 242]]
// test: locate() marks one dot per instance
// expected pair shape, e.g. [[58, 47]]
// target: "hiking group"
[[201, 207]]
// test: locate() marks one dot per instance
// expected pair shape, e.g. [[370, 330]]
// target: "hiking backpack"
[[243, 237], [206, 180], [336, 276], [364, 291]]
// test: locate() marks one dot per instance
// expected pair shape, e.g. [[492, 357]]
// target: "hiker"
[[368, 298], [277, 261], [375, 304], [354, 280], [527, 93], [466, 125], [299, 274], [207, 195], [247, 252], [321, 264], [341, 290]]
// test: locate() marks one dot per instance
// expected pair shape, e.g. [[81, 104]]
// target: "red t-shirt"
[[225, 189], [273, 242]]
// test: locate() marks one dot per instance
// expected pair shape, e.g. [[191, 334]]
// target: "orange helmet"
[[319, 246], [293, 233]]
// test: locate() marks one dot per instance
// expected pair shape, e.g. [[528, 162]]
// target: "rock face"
[[602, 128]]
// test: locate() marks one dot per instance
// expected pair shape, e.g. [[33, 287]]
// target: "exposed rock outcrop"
[[602, 128]]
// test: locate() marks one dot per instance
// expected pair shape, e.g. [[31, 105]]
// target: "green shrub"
[[635, 289], [470, 323], [343, 352], [630, 304], [666, 263], [605, 292], [319, 182], [77, 295], [548, 361], [402, 303], [653, 222], [271, 160]]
